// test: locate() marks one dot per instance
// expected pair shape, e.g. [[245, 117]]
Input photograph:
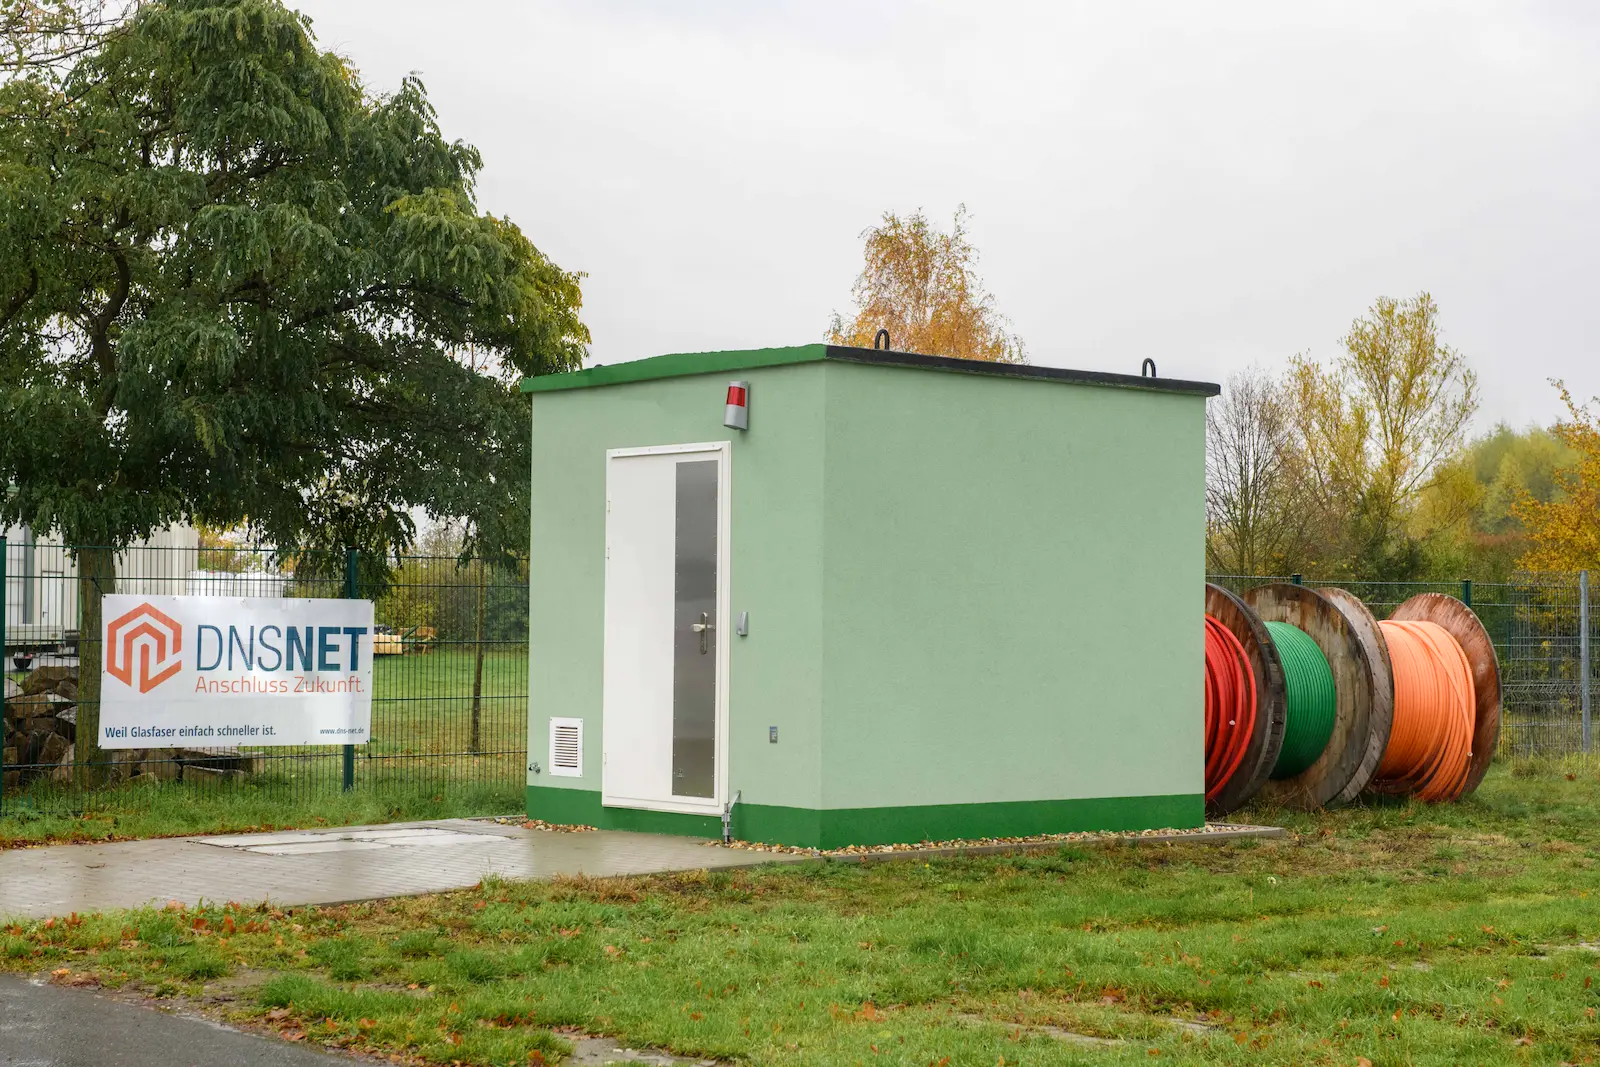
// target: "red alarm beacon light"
[[737, 413]]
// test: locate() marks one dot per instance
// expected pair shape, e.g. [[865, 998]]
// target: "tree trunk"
[[97, 577], [477, 673]]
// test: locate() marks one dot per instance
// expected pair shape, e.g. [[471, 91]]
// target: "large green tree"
[[235, 288]]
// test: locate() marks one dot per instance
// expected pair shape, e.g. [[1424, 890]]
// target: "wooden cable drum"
[[1459, 621], [1371, 636], [1363, 702], [1266, 738]]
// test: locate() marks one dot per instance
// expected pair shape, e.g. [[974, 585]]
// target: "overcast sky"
[[1207, 184]]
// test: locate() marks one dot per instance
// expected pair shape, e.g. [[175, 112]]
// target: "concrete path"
[[44, 1026], [331, 866]]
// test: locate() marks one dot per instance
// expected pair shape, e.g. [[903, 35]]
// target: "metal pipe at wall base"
[[727, 817]]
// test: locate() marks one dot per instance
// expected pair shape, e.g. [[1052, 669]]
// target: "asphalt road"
[[46, 1026]]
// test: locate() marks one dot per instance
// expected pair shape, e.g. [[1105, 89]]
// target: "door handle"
[[704, 628]]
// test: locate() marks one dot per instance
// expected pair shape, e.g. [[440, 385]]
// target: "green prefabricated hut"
[[915, 599]]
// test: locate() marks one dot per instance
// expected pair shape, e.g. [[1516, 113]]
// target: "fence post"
[[1297, 579], [4, 607], [1466, 591], [352, 590], [1583, 655]]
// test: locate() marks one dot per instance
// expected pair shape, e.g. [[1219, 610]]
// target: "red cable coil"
[[1230, 705]]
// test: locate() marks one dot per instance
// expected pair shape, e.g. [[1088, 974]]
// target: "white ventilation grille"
[[566, 748]]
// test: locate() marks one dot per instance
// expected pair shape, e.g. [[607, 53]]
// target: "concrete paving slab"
[[333, 866], [339, 865]]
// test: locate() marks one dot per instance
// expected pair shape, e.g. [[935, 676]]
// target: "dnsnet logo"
[[142, 648]]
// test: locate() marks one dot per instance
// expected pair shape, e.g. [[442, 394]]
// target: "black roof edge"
[[1020, 370]]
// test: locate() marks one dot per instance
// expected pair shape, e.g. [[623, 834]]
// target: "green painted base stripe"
[[567, 807], [1022, 818], [582, 807], [838, 827]]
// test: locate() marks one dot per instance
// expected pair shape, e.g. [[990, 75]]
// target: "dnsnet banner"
[[205, 672]]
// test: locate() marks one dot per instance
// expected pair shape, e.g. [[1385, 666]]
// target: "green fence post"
[[1585, 701], [1297, 579], [352, 591], [4, 552], [1466, 591]]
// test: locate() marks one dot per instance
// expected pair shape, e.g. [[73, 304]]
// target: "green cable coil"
[[1308, 681]]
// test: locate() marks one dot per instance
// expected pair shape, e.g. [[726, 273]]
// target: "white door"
[[665, 673], [57, 599]]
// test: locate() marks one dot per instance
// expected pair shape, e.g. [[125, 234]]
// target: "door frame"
[[723, 450]]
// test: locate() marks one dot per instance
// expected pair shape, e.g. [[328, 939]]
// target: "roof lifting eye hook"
[[1147, 369], [880, 343]]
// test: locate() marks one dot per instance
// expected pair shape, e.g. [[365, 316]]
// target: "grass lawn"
[[175, 809], [420, 764], [423, 703], [1375, 935]]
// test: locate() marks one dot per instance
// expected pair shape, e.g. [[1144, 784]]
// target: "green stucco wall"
[[974, 600], [775, 673], [1013, 581]]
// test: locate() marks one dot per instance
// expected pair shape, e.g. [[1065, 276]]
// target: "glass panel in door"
[[695, 631]]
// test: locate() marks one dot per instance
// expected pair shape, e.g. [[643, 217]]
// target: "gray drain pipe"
[[727, 817]]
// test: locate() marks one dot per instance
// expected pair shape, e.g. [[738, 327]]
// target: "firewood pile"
[[41, 730], [41, 724]]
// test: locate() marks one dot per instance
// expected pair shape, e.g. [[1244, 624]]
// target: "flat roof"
[[682, 364]]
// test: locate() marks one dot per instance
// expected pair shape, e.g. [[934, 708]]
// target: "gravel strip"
[[1209, 833], [549, 827]]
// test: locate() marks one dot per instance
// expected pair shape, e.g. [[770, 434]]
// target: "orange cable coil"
[[1430, 743]]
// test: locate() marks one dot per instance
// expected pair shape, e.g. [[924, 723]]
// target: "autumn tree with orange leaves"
[[1565, 530], [919, 283]]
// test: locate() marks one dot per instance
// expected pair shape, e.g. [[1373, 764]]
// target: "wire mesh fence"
[[449, 663], [450, 675], [1537, 624]]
